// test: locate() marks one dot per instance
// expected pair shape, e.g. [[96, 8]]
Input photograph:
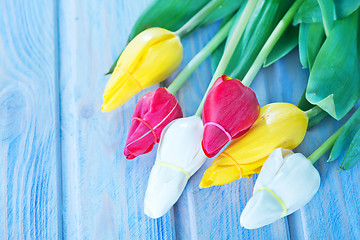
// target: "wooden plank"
[[334, 212], [103, 193], [29, 134], [214, 213]]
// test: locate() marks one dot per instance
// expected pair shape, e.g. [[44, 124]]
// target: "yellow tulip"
[[151, 57], [279, 125]]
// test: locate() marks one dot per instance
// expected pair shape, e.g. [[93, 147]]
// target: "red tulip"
[[230, 109], [152, 113]]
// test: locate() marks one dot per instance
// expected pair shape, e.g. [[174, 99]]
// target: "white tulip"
[[179, 156], [286, 182]]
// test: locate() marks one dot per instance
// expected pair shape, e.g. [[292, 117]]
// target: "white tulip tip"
[[244, 224], [154, 211]]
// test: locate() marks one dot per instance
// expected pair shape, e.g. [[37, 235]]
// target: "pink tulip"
[[152, 113], [230, 109]]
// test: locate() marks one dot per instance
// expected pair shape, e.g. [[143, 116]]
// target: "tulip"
[[179, 156], [152, 113], [151, 57], [286, 182], [278, 125], [229, 111]]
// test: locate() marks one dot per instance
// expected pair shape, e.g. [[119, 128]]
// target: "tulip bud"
[[286, 182], [151, 57], [179, 156], [278, 125], [152, 113], [229, 111]]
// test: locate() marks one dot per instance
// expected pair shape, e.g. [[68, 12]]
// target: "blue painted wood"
[[55, 53], [214, 213], [30, 188], [103, 193], [334, 211]]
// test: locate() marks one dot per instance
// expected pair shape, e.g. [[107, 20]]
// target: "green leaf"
[[169, 14], [262, 22], [225, 10], [303, 42], [173, 14], [328, 14], [352, 156], [334, 82], [311, 38], [347, 134], [346, 7], [315, 39], [310, 11], [303, 103], [286, 44]]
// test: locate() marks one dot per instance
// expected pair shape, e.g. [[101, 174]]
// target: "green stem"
[[198, 18], [230, 46], [270, 43], [200, 57], [313, 112], [325, 146], [317, 119]]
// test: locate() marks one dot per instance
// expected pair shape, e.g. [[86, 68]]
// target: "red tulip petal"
[[152, 113], [231, 105], [213, 135]]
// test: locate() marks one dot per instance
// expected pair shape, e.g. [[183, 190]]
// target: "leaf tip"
[[327, 103]]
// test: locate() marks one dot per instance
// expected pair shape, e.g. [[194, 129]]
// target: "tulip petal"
[[224, 170], [280, 191], [231, 108], [152, 113], [163, 192], [151, 57], [278, 125], [179, 156], [271, 167], [262, 209]]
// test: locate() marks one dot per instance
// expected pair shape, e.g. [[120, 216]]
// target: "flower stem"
[[198, 18], [270, 43], [200, 57], [231, 43], [317, 119], [313, 112], [325, 146], [315, 115]]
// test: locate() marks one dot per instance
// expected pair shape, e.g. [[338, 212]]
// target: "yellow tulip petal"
[[223, 171], [151, 57], [278, 125]]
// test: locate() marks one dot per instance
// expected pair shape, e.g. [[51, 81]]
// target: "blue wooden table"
[[63, 173]]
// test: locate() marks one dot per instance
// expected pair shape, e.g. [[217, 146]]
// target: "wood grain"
[[214, 213], [29, 195], [63, 174], [103, 193]]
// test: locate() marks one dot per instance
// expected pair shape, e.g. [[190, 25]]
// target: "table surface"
[[63, 173]]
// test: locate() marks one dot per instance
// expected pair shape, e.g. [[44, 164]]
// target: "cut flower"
[[152, 113], [286, 182], [179, 156], [229, 111], [151, 57], [278, 125]]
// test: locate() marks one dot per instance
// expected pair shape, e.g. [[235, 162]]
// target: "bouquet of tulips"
[[229, 123]]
